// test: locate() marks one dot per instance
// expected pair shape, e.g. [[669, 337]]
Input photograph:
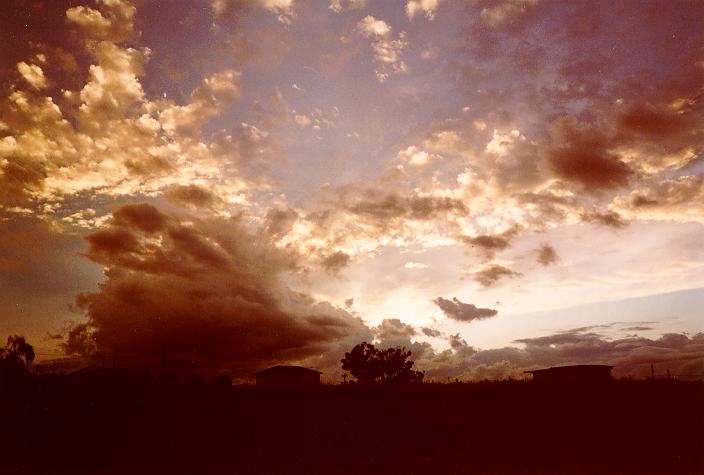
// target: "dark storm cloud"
[[491, 274], [464, 312], [201, 295], [547, 255]]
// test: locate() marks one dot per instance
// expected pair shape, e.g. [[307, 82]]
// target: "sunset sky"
[[220, 186]]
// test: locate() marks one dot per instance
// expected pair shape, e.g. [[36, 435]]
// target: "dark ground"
[[52, 427]]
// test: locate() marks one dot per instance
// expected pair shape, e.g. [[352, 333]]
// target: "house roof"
[[571, 368], [287, 370]]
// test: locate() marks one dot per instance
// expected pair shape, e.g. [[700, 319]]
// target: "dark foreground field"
[[511, 427]]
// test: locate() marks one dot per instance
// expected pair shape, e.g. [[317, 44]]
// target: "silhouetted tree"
[[16, 357], [367, 365], [18, 351], [363, 363]]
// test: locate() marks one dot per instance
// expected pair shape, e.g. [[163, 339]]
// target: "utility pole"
[[652, 371]]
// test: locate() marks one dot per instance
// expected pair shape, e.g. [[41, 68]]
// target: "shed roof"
[[561, 369], [287, 370]]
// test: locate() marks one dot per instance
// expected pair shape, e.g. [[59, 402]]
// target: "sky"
[[220, 186]]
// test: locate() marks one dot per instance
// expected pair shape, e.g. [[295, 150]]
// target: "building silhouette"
[[587, 373], [288, 377]]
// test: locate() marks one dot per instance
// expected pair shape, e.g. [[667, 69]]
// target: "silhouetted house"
[[585, 373], [288, 377]]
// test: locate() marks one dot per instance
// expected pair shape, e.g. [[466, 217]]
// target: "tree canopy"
[[367, 365]]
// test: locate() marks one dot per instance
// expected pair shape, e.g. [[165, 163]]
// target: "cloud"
[[112, 88], [336, 261], [547, 255], [19, 176], [680, 198], [608, 218], [387, 49], [415, 265], [282, 8], [647, 120], [415, 156], [630, 356], [582, 156], [339, 6], [207, 101], [379, 205], [108, 137], [501, 11], [432, 332], [114, 22], [200, 295], [426, 7], [370, 26], [464, 312], [358, 219], [637, 329], [492, 243], [235, 9], [33, 74], [191, 196], [279, 222], [393, 329], [490, 273]]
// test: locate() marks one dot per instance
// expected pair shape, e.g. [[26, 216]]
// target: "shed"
[[586, 373], [288, 377]]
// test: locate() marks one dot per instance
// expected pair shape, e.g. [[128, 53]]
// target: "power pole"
[[652, 371]]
